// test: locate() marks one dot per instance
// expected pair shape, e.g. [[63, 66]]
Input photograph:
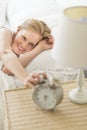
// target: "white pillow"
[[43, 61], [19, 10], [2, 12]]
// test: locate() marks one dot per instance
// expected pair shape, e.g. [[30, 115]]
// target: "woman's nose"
[[24, 45]]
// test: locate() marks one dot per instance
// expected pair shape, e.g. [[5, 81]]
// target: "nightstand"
[[21, 114]]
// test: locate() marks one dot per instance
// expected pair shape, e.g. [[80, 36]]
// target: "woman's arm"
[[11, 61], [26, 58], [43, 45], [5, 40], [8, 58]]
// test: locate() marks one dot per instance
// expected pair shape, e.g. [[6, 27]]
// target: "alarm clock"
[[48, 94]]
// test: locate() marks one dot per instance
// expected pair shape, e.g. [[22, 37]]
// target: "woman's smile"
[[20, 48]]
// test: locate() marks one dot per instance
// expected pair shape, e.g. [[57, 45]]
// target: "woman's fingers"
[[42, 75], [6, 71], [34, 79], [51, 39]]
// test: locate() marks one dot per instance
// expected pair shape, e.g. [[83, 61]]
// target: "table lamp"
[[71, 49]]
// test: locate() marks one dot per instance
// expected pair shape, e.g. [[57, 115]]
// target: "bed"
[[14, 14]]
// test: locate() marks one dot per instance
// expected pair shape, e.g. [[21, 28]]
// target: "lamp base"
[[78, 95]]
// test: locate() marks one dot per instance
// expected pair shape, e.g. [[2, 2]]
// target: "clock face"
[[44, 97]]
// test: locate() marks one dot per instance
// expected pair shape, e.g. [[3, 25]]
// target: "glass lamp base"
[[78, 95]]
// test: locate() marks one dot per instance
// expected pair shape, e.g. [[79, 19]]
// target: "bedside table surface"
[[21, 114]]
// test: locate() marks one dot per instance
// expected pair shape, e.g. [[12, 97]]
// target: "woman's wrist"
[[23, 76], [38, 49]]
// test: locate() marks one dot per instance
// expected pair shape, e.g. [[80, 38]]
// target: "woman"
[[19, 48]]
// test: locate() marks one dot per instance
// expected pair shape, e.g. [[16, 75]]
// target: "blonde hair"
[[38, 26]]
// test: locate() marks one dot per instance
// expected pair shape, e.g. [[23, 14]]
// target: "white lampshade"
[[71, 48]]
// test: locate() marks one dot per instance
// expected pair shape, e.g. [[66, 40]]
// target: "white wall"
[[2, 11], [61, 5]]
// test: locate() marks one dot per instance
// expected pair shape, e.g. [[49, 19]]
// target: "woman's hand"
[[46, 44], [6, 71], [34, 79]]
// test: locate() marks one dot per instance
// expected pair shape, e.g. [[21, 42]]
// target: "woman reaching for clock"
[[18, 48]]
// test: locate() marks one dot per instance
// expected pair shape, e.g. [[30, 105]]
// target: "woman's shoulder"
[[6, 35], [6, 30]]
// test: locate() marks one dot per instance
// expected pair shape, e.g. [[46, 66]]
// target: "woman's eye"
[[31, 44], [24, 38]]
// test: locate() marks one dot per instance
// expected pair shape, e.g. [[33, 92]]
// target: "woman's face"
[[24, 41]]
